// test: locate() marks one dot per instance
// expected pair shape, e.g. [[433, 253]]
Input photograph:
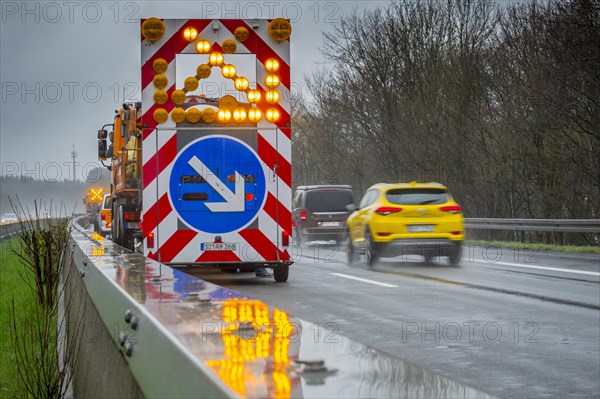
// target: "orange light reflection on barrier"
[[262, 337], [283, 387]]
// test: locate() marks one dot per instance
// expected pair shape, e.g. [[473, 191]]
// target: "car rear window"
[[328, 201], [417, 196]]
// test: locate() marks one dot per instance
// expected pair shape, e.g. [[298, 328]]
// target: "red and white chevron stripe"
[[262, 241]]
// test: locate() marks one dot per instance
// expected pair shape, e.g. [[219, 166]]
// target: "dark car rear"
[[320, 212]]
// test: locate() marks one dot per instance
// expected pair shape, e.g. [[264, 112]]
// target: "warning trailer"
[[201, 168]]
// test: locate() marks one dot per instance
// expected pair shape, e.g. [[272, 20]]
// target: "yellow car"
[[406, 218]]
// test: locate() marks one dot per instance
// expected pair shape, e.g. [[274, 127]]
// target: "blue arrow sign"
[[217, 185]]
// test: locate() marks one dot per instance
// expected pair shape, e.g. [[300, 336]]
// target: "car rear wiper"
[[428, 201]]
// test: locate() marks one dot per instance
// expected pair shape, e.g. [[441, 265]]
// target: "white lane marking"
[[553, 269], [364, 280]]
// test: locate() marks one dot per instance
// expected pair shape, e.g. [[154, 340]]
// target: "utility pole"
[[74, 155]]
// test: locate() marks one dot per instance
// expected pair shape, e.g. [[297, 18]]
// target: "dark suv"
[[320, 212]]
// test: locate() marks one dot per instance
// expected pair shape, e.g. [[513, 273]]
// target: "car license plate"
[[131, 225], [420, 228], [218, 246], [330, 224]]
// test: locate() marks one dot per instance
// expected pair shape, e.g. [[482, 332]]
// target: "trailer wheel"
[[281, 273]]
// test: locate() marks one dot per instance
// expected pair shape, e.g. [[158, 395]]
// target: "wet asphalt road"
[[515, 324]]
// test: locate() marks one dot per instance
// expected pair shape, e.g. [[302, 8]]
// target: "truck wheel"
[[119, 227], [281, 273], [114, 224]]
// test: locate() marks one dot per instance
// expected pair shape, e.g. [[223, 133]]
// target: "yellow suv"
[[406, 218]]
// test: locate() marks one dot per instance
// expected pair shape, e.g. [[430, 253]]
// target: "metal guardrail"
[[9, 229], [553, 225], [181, 336]]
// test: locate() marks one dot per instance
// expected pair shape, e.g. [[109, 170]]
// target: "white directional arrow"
[[234, 202]]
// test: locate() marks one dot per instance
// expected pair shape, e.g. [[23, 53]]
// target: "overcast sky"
[[64, 66]]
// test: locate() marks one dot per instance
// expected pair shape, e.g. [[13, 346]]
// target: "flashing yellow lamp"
[[178, 115], [239, 115], [253, 96], [228, 102], [224, 115], [190, 83], [160, 65], [160, 81], [272, 115], [209, 115], [241, 34], [254, 114], [203, 71], [178, 97], [272, 65], [279, 29], [271, 81], [203, 46], [241, 83], [272, 96], [228, 46], [160, 97], [153, 29], [193, 115], [190, 34], [215, 59], [228, 71], [161, 115]]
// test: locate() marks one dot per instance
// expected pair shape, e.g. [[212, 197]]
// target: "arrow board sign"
[[217, 185], [234, 202]]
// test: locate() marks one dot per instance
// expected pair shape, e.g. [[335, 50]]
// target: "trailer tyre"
[[281, 273]]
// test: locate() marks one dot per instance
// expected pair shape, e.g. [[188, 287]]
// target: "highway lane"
[[492, 323]]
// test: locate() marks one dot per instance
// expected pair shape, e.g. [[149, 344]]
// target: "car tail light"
[[103, 217], [387, 210], [131, 216], [383, 234], [150, 240], [285, 238], [452, 209], [303, 215], [456, 233]]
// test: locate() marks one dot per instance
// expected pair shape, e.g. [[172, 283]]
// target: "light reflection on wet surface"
[[255, 349]]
